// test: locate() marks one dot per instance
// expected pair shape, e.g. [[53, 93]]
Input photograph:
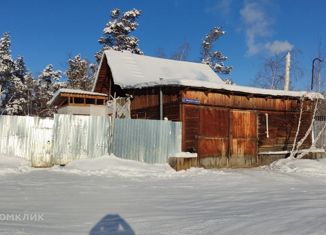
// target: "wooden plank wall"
[[282, 127], [221, 137], [243, 135], [246, 102], [203, 127], [190, 128], [104, 82], [213, 137], [170, 111], [146, 103]]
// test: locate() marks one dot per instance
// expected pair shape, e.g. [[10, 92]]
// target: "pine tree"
[[16, 105], [20, 68], [17, 91], [7, 68], [45, 86], [31, 85], [116, 34], [80, 74], [215, 59]]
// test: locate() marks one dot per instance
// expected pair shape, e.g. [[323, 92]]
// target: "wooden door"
[[206, 132], [243, 138], [190, 128], [213, 138]]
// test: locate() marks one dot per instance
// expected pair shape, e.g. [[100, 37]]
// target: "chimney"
[[287, 71]]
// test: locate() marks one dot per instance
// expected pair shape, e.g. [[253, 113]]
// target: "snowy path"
[[288, 199]]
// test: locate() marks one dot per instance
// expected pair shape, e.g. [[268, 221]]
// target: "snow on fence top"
[[73, 91], [139, 71]]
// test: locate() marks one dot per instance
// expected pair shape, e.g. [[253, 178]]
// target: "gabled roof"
[[138, 71], [58, 93], [129, 69]]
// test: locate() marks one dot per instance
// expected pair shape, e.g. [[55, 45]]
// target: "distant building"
[[227, 125]]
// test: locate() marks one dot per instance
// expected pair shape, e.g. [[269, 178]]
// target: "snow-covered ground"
[[114, 196]]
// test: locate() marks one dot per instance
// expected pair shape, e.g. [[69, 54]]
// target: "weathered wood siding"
[[230, 130], [243, 102], [146, 103], [282, 127], [190, 128], [221, 137], [213, 137], [104, 81], [243, 137]]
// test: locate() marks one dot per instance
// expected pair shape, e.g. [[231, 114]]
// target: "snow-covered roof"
[[232, 88], [129, 69], [57, 94], [139, 71]]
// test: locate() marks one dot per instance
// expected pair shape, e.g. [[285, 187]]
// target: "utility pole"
[[287, 71]]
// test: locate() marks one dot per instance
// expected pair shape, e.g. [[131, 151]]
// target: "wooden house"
[[227, 125], [79, 102]]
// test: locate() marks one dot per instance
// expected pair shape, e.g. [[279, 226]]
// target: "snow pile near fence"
[[300, 166], [14, 165], [113, 166]]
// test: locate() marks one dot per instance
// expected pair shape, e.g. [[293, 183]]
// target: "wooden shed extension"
[[73, 101], [227, 125]]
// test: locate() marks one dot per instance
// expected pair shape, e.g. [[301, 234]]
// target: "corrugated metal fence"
[[80, 137], [147, 138], [27, 137], [70, 137]]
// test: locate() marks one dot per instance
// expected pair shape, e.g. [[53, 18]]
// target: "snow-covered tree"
[[46, 84], [16, 104], [215, 59], [80, 73], [17, 91], [7, 68], [20, 94], [116, 34], [20, 68], [12, 72], [31, 85]]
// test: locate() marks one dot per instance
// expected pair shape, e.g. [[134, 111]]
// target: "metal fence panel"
[[148, 141], [79, 137], [41, 139], [19, 135], [69, 137]]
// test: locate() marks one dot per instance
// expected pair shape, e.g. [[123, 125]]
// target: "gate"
[[221, 137]]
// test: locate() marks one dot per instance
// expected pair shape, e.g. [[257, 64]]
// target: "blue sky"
[[50, 31]]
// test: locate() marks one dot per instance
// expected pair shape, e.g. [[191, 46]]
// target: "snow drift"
[[300, 166], [10, 165], [111, 166], [114, 166]]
